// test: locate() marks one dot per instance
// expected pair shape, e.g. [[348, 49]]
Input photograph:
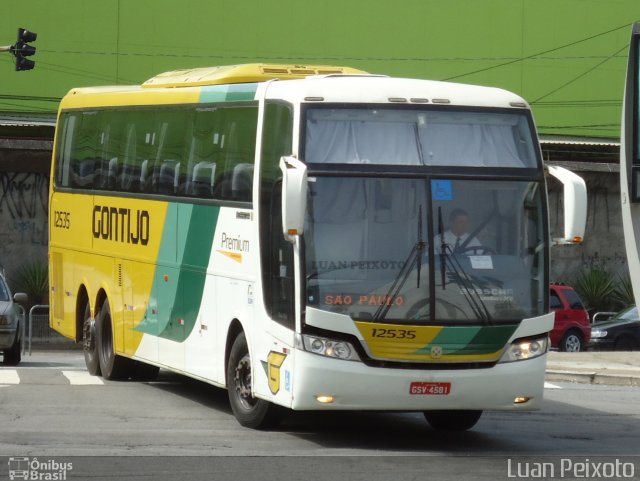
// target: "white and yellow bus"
[[308, 238]]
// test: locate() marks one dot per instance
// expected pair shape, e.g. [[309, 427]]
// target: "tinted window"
[[276, 253], [573, 299], [554, 301], [4, 291], [189, 151]]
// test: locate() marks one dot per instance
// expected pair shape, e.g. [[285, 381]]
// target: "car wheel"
[[571, 342], [249, 411], [112, 366], [89, 344], [625, 344], [13, 355], [452, 420]]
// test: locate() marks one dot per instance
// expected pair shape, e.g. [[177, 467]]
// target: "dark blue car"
[[620, 333]]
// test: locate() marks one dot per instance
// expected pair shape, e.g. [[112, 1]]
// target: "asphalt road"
[[176, 428]]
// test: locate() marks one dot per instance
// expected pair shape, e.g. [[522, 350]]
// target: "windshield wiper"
[[396, 287], [462, 278]]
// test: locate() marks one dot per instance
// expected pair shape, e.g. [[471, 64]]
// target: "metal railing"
[[23, 328], [40, 317], [36, 326], [605, 315]]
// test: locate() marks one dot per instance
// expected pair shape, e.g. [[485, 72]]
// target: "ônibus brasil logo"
[[34, 469]]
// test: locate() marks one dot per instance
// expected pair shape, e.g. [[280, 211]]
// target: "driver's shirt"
[[452, 241]]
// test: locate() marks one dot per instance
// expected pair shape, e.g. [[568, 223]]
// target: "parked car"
[[571, 330], [621, 332], [10, 327]]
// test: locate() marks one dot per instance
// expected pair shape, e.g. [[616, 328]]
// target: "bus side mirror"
[[575, 205], [294, 197]]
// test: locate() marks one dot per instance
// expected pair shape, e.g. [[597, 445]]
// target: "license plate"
[[430, 388]]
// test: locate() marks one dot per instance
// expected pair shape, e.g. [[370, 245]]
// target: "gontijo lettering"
[[121, 225]]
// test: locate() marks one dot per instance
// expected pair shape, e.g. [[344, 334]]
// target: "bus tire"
[[13, 355], [452, 420], [112, 366], [249, 411], [89, 342]]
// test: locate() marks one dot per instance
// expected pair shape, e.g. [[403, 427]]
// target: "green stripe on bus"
[[177, 290], [228, 93], [470, 339], [488, 339]]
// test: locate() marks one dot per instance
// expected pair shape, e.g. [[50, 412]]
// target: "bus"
[[287, 232], [630, 162]]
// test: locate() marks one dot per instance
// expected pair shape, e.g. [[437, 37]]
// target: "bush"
[[32, 279], [623, 292], [596, 287]]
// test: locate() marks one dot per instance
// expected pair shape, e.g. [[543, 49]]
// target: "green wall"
[[567, 57]]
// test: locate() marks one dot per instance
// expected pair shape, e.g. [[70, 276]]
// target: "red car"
[[572, 329]]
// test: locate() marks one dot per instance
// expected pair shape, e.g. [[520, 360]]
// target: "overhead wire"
[[537, 54]]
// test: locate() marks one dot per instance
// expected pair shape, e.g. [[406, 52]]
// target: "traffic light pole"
[[21, 49]]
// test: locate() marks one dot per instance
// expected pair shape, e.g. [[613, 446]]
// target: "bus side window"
[[203, 154], [237, 143], [64, 151], [173, 133], [83, 156]]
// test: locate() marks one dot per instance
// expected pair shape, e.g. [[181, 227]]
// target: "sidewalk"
[[595, 367]]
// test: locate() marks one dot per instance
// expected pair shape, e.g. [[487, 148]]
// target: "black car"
[[621, 332]]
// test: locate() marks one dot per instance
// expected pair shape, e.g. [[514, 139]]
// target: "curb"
[[593, 378]]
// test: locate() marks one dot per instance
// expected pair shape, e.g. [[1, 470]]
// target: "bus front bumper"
[[324, 383]]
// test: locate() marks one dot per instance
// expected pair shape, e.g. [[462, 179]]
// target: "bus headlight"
[[329, 348], [523, 349]]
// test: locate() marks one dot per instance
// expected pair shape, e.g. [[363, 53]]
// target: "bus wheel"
[[248, 410], [89, 344], [112, 366], [452, 420]]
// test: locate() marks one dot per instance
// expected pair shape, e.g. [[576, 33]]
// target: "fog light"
[[521, 400], [324, 399]]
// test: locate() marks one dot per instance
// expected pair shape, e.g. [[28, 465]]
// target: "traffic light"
[[22, 49]]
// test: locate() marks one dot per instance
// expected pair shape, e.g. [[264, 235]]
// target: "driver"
[[457, 237]]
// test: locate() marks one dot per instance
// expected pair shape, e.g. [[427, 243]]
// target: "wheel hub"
[[242, 380], [89, 336]]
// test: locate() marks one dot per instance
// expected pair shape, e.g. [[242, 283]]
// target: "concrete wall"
[[24, 187]]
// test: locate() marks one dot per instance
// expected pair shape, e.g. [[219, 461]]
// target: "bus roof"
[[247, 73], [302, 83]]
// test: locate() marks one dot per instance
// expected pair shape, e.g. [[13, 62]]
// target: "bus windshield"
[[383, 248], [429, 137]]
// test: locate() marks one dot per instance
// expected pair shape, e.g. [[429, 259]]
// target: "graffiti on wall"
[[23, 207], [23, 195]]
